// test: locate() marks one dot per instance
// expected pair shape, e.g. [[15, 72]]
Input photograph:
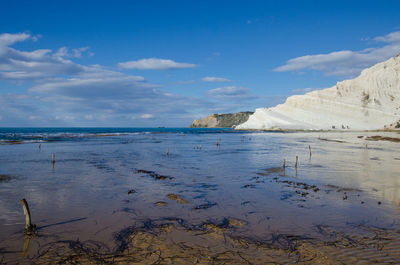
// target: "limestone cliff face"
[[369, 102], [222, 120]]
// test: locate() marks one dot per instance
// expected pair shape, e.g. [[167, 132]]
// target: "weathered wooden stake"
[[168, 152], [52, 158], [297, 158], [284, 163], [309, 148], [29, 227]]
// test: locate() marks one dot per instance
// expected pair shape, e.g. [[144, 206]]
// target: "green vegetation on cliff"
[[228, 120]]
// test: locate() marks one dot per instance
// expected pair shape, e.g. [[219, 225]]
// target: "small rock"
[[160, 203], [177, 198]]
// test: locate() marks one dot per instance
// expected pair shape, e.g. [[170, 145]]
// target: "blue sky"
[[165, 63]]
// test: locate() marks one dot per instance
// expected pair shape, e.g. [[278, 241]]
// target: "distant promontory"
[[228, 120]]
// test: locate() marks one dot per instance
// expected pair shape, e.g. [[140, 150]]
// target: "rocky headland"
[[228, 120]]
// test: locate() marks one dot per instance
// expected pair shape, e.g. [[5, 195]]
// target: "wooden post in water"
[[29, 227], [309, 148], [284, 164], [53, 160], [297, 158]]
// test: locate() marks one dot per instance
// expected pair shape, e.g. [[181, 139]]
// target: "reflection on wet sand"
[[27, 242], [233, 203]]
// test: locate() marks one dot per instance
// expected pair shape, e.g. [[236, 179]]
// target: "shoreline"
[[184, 198], [302, 130]]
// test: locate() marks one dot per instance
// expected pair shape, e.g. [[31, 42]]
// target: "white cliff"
[[369, 102]]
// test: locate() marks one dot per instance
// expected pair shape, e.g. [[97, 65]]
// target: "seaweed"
[[6, 178], [153, 174]]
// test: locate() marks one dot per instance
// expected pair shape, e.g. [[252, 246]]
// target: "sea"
[[88, 184]]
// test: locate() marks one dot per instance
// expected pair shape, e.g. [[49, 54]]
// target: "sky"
[[165, 63]]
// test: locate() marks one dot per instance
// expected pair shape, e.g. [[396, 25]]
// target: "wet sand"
[[171, 242], [124, 200]]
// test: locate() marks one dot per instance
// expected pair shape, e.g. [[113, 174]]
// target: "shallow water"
[[348, 182]]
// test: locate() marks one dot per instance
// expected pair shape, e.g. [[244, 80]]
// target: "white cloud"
[[36, 38], [77, 53], [62, 52], [214, 79], [93, 83], [304, 90], [346, 63], [146, 116], [56, 91], [16, 65], [7, 39], [391, 37], [230, 93], [154, 64]]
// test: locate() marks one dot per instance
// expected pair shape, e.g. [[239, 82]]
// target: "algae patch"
[[6, 178]]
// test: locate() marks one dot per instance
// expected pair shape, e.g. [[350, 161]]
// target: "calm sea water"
[[345, 183]]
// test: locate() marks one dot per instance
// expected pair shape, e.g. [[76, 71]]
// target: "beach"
[[206, 196]]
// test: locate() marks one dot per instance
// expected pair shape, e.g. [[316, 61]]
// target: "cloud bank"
[[230, 93], [346, 63], [154, 64], [53, 90], [48, 88], [215, 79]]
